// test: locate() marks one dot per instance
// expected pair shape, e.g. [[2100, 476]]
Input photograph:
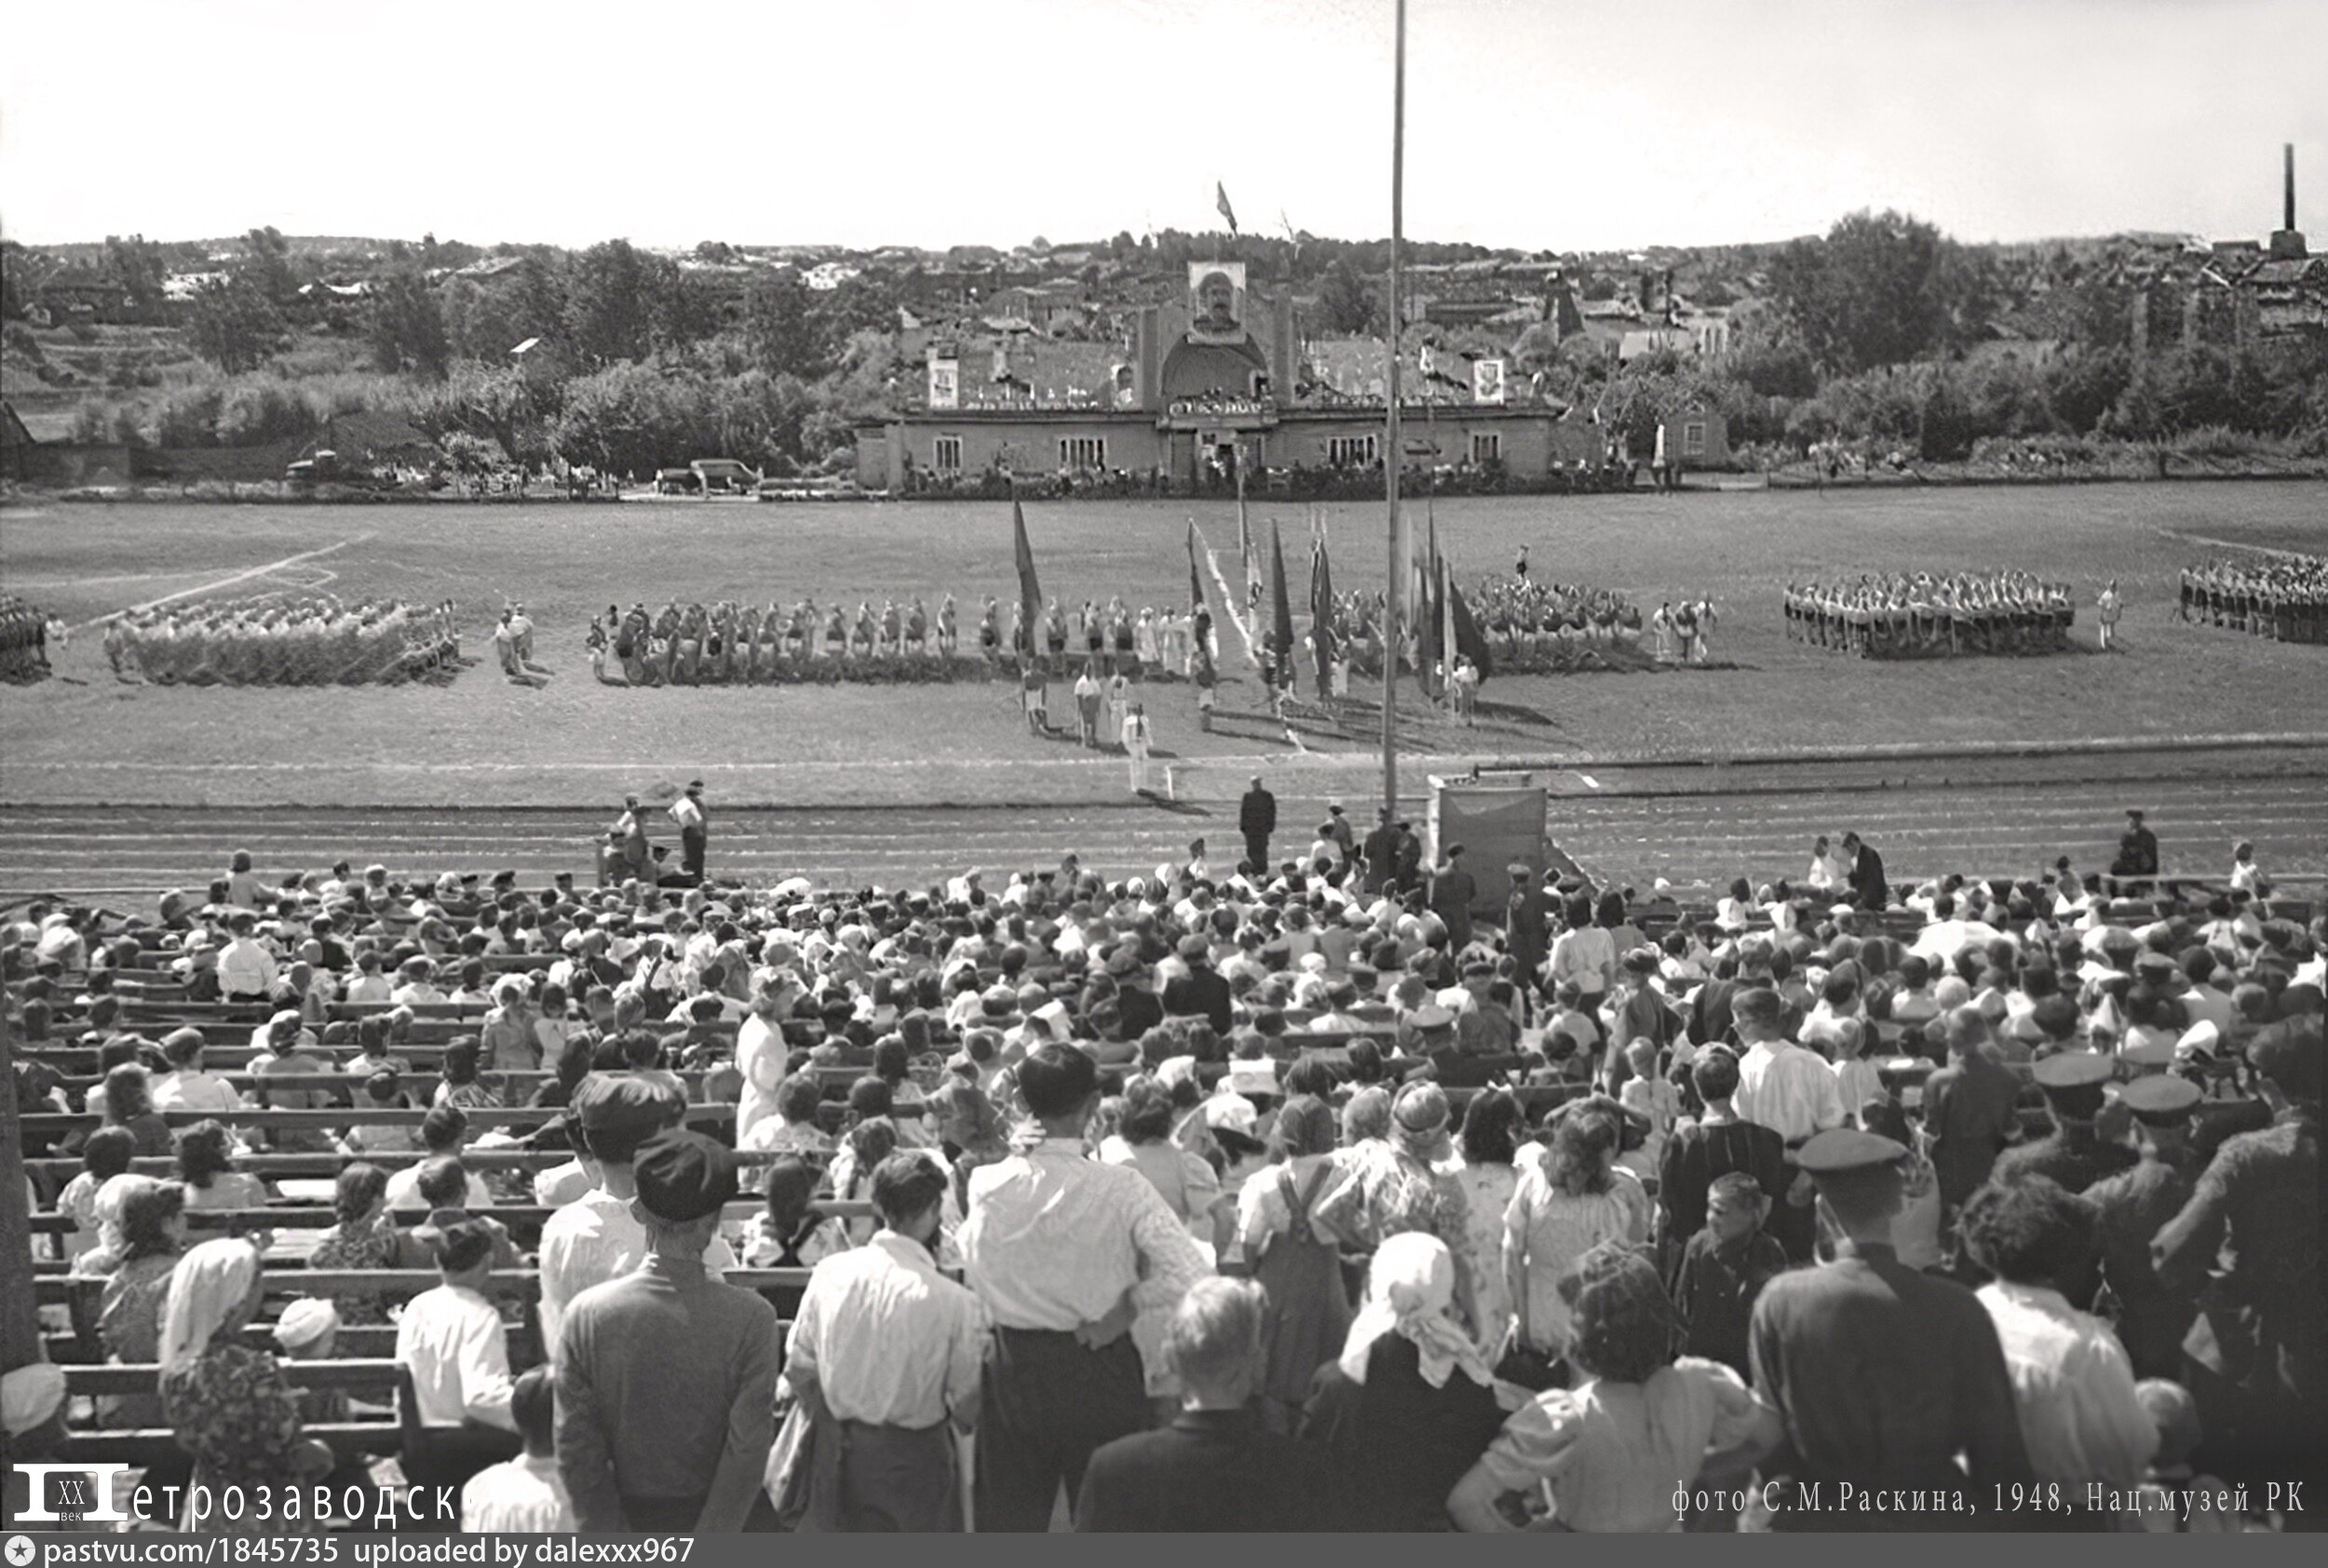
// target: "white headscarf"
[[207, 1285], [1410, 1292]]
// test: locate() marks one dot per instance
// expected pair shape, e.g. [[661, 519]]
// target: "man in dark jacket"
[[1215, 1467], [1257, 819], [1453, 888], [1202, 990], [1382, 854], [1868, 888], [2137, 858]]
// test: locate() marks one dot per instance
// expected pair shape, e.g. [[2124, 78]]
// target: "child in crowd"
[[2171, 1482], [1723, 1269], [1646, 1094]]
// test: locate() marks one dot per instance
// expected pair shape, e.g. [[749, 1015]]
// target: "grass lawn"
[[85, 736]]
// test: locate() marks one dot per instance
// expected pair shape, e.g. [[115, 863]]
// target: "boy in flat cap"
[[1883, 1374], [667, 1377]]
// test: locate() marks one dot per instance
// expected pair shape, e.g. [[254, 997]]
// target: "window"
[[1344, 452], [946, 454], [1082, 453], [1487, 446], [1694, 438]]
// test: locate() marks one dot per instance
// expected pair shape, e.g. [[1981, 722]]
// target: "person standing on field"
[[2111, 607], [1136, 736]]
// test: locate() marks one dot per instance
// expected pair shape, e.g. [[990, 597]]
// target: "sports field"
[[85, 737]]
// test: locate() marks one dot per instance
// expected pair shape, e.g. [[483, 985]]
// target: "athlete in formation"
[[283, 641], [2284, 599], [24, 634], [1926, 617]]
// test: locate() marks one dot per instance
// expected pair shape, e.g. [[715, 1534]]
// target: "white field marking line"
[[225, 582], [1228, 602], [2231, 544]]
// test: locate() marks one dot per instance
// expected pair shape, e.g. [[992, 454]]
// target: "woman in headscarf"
[[1307, 1310], [1610, 1453], [129, 1323], [1405, 1188], [1411, 1402], [362, 1235], [1567, 1203], [232, 1408]]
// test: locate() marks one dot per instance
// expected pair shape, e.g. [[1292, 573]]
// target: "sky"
[[1536, 124]]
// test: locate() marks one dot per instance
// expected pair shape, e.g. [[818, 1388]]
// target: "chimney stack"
[[2288, 243]]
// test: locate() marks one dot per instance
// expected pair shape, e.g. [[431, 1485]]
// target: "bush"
[[260, 412], [189, 417]]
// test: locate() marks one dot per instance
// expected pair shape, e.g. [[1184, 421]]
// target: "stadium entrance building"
[[1211, 380]]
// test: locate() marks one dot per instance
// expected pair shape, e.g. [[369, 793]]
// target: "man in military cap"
[[667, 1376], [2255, 1358], [1883, 1374], [2134, 1207], [2074, 1154], [599, 1237]]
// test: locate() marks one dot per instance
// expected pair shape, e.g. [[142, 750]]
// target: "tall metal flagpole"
[[1393, 590]]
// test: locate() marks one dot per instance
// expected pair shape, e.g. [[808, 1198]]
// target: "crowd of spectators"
[[1304, 1198]]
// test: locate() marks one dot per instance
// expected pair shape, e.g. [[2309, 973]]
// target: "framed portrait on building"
[[1216, 302], [1487, 381]]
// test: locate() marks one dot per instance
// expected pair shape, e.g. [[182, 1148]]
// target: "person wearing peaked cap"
[[1882, 1373], [2248, 1240], [2133, 1207], [667, 1376], [598, 1237], [2075, 1154]]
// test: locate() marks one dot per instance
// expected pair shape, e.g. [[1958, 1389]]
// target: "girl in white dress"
[[1135, 736]]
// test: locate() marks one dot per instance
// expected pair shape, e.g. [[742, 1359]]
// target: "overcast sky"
[[1530, 123]]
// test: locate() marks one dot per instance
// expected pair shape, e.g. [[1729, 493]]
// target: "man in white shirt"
[[246, 969], [895, 1350], [694, 833], [1781, 1085], [597, 1237], [368, 984], [1064, 1252], [187, 1087], [525, 1496], [442, 1132], [451, 1342]]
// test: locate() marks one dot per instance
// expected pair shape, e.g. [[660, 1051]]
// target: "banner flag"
[[1321, 627], [1429, 651], [1220, 199], [1030, 596], [1468, 641], [1195, 583], [1280, 610]]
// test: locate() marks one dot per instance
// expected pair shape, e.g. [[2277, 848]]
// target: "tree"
[[780, 323], [267, 262], [610, 305], [232, 325], [1880, 289], [407, 326], [137, 262], [1345, 302]]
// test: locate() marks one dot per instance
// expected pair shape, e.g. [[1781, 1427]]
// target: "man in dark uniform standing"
[[1382, 854], [2134, 1207], [1868, 888], [2137, 858], [1882, 1373], [1527, 923], [2073, 1153], [2254, 1359], [1257, 819], [1453, 888]]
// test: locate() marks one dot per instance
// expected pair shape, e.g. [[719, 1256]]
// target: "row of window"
[[1078, 453]]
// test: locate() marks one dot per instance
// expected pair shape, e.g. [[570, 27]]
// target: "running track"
[[1696, 828]]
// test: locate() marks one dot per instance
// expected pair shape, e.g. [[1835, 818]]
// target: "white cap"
[[305, 1320]]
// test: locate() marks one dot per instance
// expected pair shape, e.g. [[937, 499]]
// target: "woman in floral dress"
[[363, 1238]]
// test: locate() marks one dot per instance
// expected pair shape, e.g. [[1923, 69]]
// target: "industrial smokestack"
[[2287, 155]]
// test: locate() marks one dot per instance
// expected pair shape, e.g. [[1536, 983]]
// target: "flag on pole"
[[1322, 629], [1468, 642], [1280, 609], [1220, 199], [1431, 650], [1030, 597], [1248, 557], [1448, 646], [1195, 583]]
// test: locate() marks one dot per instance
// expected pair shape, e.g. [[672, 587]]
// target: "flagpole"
[[1391, 587]]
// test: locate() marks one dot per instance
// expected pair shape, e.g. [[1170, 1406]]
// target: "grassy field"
[[85, 736]]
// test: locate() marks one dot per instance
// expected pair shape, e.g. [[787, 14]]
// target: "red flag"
[[1280, 609], [1220, 199], [1431, 648], [1030, 597], [1195, 583]]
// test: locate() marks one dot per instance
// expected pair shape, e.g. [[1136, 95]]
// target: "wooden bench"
[[310, 1216]]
